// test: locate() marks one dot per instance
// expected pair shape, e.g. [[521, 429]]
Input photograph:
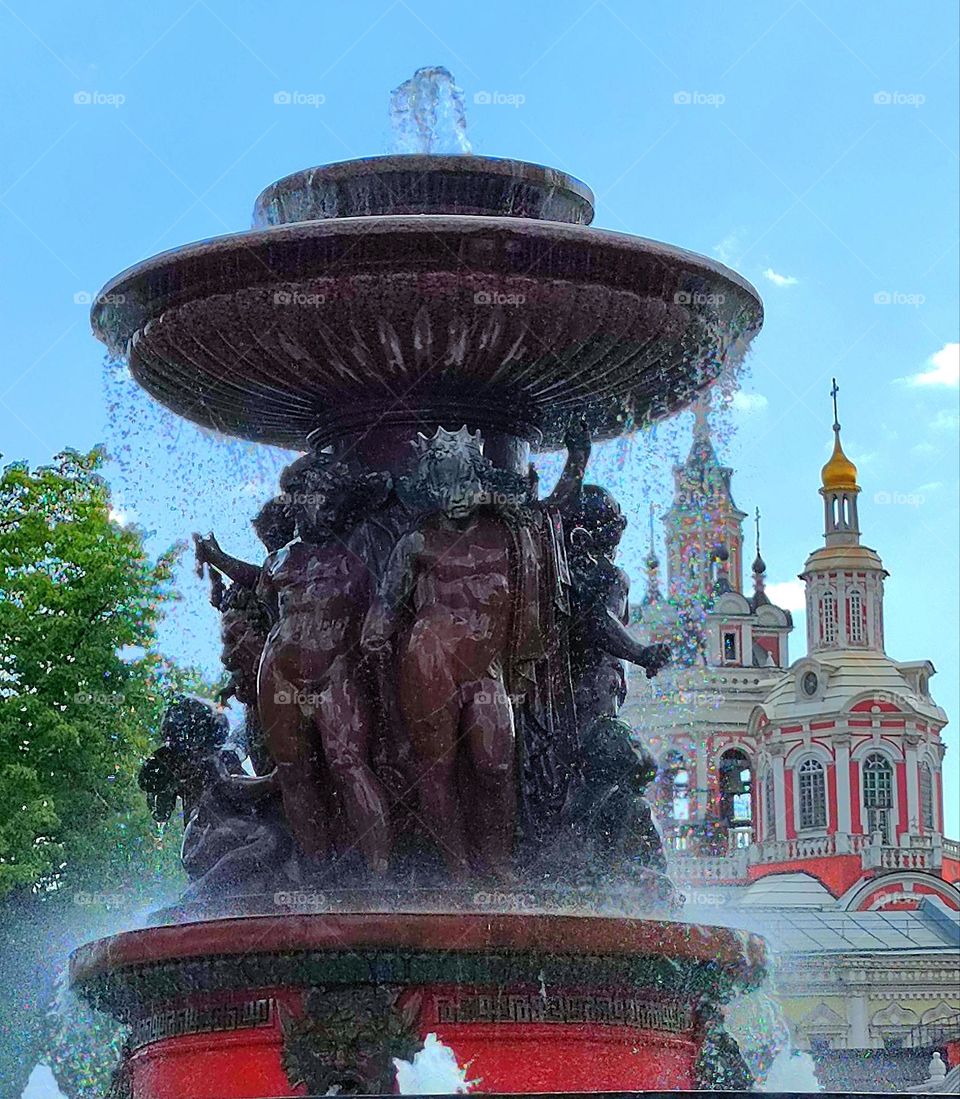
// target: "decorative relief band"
[[532, 1008], [204, 1020]]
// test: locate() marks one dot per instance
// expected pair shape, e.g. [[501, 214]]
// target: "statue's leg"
[[293, 745], [430, 702], [344, 720], [488, 729]]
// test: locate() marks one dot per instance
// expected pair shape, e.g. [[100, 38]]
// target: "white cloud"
[[778, 279], [947, 419], [728, 250], [790, 594], [749, 402], [943, 368], [930, 486], [121, 515]]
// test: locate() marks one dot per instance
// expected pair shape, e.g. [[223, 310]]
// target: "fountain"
[[445, 833]]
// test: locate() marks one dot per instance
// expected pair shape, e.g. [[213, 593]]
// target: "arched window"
[[828, 618], [878, 794], [857, 619], [736, 795], [926, 797], [812, 794], [673, 787]]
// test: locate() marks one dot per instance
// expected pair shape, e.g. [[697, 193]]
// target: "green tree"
[[82, 688]]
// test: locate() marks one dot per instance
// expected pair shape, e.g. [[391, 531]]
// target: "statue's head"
[[274, 525], [602, 518], [312, 490], [192, 724], [450, 471]]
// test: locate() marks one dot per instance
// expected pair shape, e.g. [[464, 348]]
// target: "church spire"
[[839, 490], [759, 569], [653, 568]]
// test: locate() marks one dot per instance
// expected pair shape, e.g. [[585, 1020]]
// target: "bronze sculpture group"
[[430, 665]]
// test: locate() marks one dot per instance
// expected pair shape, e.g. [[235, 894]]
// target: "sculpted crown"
[[445, 443]]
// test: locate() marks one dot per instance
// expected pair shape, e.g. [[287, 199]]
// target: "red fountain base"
[[262, 1006]]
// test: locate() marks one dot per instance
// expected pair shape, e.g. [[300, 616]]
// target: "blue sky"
[[810, 145]]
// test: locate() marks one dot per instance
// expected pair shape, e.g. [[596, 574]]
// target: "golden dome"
[[839, 473]]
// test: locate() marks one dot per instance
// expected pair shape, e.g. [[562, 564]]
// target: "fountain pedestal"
[[269, 1006]]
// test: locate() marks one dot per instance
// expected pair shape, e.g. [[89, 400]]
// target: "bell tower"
[[844, 579], [704, 532]]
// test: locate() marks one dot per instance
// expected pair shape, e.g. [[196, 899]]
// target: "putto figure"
[[600, 640], [459, 602], [315, 702]]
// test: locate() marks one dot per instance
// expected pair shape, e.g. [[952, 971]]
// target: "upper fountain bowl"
[[424, 184], [402, 293]]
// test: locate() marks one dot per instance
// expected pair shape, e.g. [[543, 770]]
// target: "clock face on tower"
[[809, 684]]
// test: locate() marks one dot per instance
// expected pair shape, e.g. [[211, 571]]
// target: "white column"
[[780, 795], [911, 740], [700, 779], [842, 769]]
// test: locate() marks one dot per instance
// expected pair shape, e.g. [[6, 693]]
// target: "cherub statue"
[[314, 698], [244, 618], [233, 835], [600, 641], [460, 606]]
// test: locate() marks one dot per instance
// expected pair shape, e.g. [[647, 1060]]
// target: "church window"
[[828, 618], [736, 789], [878, 794], [813, 794], [730, 647], [810, 684], [926, 797], [857, 618]]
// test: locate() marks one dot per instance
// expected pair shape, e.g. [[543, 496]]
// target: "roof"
[[850, 675], [930, 928], [788, 891]]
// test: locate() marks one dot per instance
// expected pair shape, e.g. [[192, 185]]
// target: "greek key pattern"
[[205, 1020], [530, 1008]]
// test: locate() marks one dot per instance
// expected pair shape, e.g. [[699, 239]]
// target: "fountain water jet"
[[463, 304]]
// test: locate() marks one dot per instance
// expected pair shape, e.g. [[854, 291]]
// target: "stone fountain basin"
[[533, 1003], [347, 324]]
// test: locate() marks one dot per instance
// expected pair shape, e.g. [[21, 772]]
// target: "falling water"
[[427, 114]]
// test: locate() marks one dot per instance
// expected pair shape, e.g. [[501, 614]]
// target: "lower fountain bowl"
[[298, 1004]]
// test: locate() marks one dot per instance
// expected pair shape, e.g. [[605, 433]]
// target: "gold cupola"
[[839, 474]]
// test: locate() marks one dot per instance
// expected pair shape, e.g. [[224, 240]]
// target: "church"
[[803, 795]]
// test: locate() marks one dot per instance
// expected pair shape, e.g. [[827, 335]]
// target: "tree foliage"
[[82, 688]]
